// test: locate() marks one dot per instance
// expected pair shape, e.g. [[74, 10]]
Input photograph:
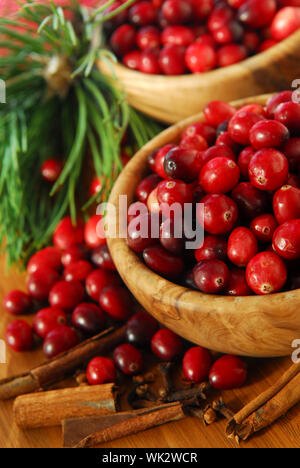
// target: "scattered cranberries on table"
[[174, 37], [239, 192]]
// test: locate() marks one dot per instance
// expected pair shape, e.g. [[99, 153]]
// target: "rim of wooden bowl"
[[261, 326]]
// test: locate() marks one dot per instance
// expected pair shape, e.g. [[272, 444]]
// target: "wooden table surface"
[[189, 433]]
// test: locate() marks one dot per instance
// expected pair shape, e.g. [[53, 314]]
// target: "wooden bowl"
[[251, 326], [173, 98]]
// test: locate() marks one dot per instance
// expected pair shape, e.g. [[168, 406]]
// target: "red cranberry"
[[73, 254], [132, 60], [146, 186], [183, 164], [254, 109], [93, 232], [257, 14], [267, 45], [263, 227], [137, 209], [19, 336], [236, 3], [102, 258], [177, 35], [266, 273], [251, 201], [268, 134], [47, 319], [244, 160], [199, 128], [230, 54], [140, 329], [276, 100], [123, 39], [17, 302], [288, 114], [291, 151], [96, 185], [202, 8], [213, 248], [140, 231], [66, 294], [128, 359], [120, 18], [200, 58], [224, 139], [196, 364], [286, 204], [206, 39], [285, 23], [237, 284], [66, 234], [159, 160], [211, 276], [171, 236], [151, 160], [100, 370], [51, 170], [220, 15], [219, 175], [88, 318], [59, 340], [268, 169], [149, 62], [195, 142], [148, 37], [98, 280], [171, 60], [227, 373], [142, 13], [163, 262], [40, 283], [49, 257], [286, 240], [218, 151], [116, 302], [240, 125], [229, 32], [177, 11], [77, 271], [220, 214], [251, 41], [166, 345], [242, 246], [174, 191], [217, 112]]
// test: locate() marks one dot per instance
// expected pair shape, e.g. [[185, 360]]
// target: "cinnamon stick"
[[74, 430], [151, 418], [267, 407], [45, 409], [56, 369]]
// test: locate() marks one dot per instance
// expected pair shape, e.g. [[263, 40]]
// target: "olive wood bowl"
[[173, 98], [261, 326]]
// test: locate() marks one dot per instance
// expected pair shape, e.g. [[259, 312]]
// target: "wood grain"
[[261, 326], [188, 433], [173, 98]]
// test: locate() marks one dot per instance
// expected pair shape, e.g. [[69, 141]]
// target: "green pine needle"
[[41, 120]]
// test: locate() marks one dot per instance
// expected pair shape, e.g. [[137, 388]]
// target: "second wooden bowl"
[[173, 98], [251, 326]]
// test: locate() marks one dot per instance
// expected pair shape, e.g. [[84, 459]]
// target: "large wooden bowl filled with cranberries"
[[176, 55], [237, 167]]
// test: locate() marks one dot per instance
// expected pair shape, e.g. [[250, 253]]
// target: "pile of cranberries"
[[173, 37], [239, 171], [74, 292]]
